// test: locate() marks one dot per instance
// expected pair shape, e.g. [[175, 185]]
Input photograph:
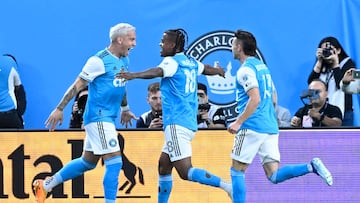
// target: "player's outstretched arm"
[[147, 74], [209, 70]]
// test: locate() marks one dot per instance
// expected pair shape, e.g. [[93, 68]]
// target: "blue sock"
[[238, 185], [289, 171], [165, 186], [204, 177], [111, 178], [73, 169]]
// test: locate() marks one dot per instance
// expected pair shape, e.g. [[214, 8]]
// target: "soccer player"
[[256, 127], [178, 74], [106, 94]]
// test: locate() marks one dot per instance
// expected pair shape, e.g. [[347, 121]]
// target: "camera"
[[202, 107], [356, 74], [311, 94], [158, 114], [326, 52], [308, 95], [205, 106], [81, 104]]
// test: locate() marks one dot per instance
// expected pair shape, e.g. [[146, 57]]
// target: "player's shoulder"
[[7, 62], [102, 53]]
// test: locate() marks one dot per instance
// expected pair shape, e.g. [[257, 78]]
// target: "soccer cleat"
[[320, 169], [40, 192]]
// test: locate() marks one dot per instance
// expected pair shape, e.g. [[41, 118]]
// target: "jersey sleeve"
[[352, 88], [246, 77], [14, 74], [169, 66], [201, 67], [93, 68], [140, 123]]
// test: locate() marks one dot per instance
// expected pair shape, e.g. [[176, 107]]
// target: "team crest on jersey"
[[112, 142], [215, 47]]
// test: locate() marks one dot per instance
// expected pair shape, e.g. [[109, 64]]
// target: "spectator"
[[283, 116], [152, 118], [331, 64], [12, 94], [319, 112], [350, 83], [209, 116], [78, 108]]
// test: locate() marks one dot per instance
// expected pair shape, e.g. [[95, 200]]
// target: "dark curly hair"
[[180, 37]]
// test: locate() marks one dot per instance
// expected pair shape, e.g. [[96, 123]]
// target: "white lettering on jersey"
[[119, 82]]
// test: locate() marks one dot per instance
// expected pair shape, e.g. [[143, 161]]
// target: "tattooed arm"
[[56, 116], [71, 92]]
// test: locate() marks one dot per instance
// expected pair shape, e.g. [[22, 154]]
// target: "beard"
[[316, 104]]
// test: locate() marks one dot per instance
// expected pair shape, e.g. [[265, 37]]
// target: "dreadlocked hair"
[[181, 39]]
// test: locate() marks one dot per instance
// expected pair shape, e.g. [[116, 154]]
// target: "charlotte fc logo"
[[212, 47]]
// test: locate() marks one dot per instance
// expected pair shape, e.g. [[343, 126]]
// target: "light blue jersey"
[[179, 90], [105, 91], [254, 73], [9, 78]]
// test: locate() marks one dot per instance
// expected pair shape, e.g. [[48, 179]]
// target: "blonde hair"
[[120, 29]]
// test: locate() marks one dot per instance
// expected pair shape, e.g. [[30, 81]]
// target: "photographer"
[[209, 116], [350, 83], [318, 112], [152, 118], [331, 64], [78, 108]]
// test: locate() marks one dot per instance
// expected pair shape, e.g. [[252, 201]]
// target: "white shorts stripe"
[[249, 143], [100, 127], [239, 142], [175, 140], [101, 138]]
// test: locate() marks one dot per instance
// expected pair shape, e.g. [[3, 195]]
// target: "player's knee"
[[88, 165], [91, 167], [183, 175], [164, 170]]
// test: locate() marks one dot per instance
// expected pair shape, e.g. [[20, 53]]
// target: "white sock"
[[226, 186], [310, 167], [50, 183]]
